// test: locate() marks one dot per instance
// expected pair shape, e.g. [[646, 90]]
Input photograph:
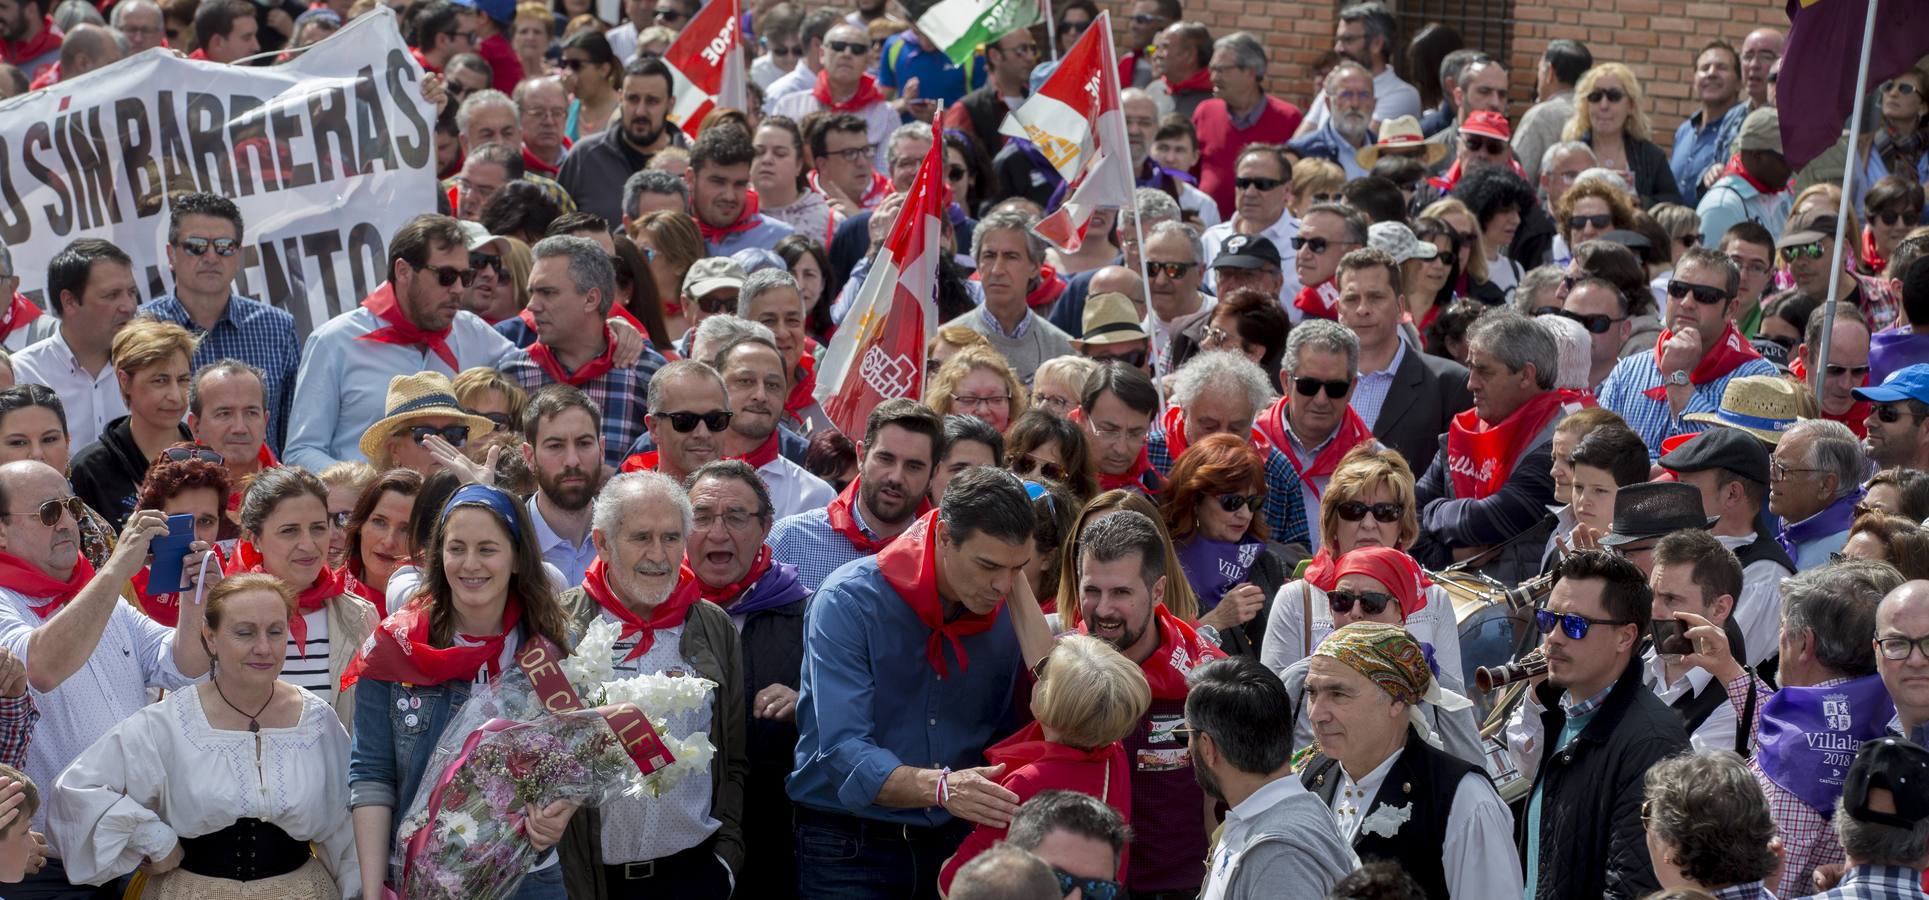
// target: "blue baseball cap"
[[1906, 383], [501, 11]]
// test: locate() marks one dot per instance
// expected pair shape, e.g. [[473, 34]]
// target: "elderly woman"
[[1897, 148], [184, 480], [1088, 699], [1211, 506], [1609, 117], [492, 395], [535, 29], [977, 382], [1589, 210], [1708, 825], [1059, 383], [423, 425], [1052, 447], [1249, 323], [236, 787], [1892, 539], [285, 530], [377, 534]]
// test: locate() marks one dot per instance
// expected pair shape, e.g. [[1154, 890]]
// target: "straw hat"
[[1110, 318], [415, 397], [1401, 133], [1762, 405]]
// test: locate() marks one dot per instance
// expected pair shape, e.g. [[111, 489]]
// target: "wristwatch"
[[1678, 377]]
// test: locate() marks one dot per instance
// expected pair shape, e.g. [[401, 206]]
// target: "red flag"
[[706, 65], [1075, 121], [878, 354]]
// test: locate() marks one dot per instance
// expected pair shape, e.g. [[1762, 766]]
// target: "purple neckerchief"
[[1891, 349], [1809, 736], [1215, 567], [1151, 172], [956, 214], [778, 587], [1834, 518], [1040, 164]]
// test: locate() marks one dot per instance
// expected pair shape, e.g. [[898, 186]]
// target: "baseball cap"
[[1397, 240], [1489, 123], [1807, 227], [1721, 448], [1895, 765], [1762, 130], [478, 237], [1246, 251], [1906, 383], [500, 11], [711, 273]]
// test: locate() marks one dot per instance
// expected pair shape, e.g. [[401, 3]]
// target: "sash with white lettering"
[[645, 747], [1809, 736]]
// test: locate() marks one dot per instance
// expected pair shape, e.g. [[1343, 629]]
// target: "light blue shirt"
[[763, 236], [1623, 393], [807, 542], [1371, 393], [571, 559]]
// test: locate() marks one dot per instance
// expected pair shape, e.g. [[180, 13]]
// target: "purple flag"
[[1818, 65]]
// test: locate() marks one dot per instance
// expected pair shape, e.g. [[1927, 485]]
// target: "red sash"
[[26, 578], [328, 585], [910, 566], [1321, 301], [747, 220], [867, 93], [400, 331], [1197, 81], [546, 360], [534, 163], [723, 595], [399, 649], [1730, 351], [1481, 456], [265, 458], [1180, 651], [1352, 432], [668, 614], [20, 312]]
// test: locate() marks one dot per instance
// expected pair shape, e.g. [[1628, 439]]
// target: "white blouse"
[[164, 773]]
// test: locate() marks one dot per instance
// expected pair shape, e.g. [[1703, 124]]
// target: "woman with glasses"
[[977, 382], [1591, 209], [1608, 116], [490, 394], [184, 480], [1246, 322], [1073, 19], [1211, 505], [1899, 147], [591, 74], [285, 528], [1430, 282], [378, 535], [672, 244], [152, 360], [1051, 446], [1893, 208], [1472, 259], [1058, 385], [345, 481]]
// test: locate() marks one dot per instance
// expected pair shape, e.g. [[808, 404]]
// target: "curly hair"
[[1620, 211], [1709, 809], [1035, 429], [1362, 471], [1178, 599], [1489, 191], [1220, 464], [944, 384], [167, 478]]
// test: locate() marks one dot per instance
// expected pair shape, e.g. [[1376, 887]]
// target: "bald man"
[[86, 48], [1902, 629]]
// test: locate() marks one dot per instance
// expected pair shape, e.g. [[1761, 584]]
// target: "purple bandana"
[[1809, 736], [1890, 350], [778, 587], [1215, 567], [1834, 518]]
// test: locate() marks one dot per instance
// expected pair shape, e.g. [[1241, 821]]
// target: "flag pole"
[[1051, 27], [1848, 199]]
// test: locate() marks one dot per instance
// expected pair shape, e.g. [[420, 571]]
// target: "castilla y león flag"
[[1075, 121], [878, 354], [706, 65]]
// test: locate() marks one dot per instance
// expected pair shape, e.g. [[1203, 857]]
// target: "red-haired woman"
[[185, 479], [1211, 505]]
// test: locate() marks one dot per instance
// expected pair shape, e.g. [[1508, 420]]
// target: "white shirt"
[[622, 41], [1281, 233], [570, 560], [166, 774], [1758, 611], [879, 118], [91, 401], [134, 653], [1162, 332], [765, 72], [1717, 732], [793, 489], [633, 829], [800, 78], [1478, 857], [1201, 204]]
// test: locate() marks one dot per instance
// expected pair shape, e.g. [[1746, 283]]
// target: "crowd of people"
[[1405, 495]]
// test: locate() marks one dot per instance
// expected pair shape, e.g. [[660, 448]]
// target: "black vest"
[[1423, 777]]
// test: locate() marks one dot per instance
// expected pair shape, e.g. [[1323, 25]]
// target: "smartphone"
[[164, 572], [1670, 637]]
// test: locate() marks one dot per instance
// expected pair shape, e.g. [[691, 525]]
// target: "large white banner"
[[327, 155]]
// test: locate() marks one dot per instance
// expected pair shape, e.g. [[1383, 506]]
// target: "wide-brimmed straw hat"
[[414, 397], [1762, 405], [1401, 133]]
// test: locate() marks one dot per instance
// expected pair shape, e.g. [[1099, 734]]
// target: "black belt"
[[878, 830], [248, 850], [676, 864]]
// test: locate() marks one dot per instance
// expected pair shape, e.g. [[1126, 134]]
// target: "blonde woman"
[[948, 341], [977, 382], [1610, 116], [1473, 250], [517, 262], [1059, 384], [491, 395]]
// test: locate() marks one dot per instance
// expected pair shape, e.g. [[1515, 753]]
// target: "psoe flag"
[[706, 66], [960, 27], [1065, 118], [1819, 60]]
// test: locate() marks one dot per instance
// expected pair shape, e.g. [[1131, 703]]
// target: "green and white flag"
[[960, 27]]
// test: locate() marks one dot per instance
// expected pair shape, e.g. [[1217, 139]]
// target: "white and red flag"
[[1075, 121], [706, 65], [878, 354]]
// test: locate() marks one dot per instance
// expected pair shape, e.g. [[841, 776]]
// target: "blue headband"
[[493, 499]]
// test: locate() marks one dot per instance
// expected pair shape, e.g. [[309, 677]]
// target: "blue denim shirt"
[[396, 729]]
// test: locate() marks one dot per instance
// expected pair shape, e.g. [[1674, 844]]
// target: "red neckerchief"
[[1173, 423], [401, 332], [1129, 480], [1447, 181], [265, 458], [535, 163], [546, 360], [1857, 412], [327, 586], [910, 566], [46, 42], [1180, 651], [400, 651], [1481, 456], [746, 220], [26, 578], [844, 523], [19, 313], [48, 77], [420, 60], [1323, 570], [1352, 433], [1197, 81], [761, 455], [1871, 255], [353, 584], [1730, 350], [1735, 168], [165, 607], [455, 166], [639, 462], [1320, 301], [803, 392], [1050, 287], [668, 614], [867, 93], [722, 596]]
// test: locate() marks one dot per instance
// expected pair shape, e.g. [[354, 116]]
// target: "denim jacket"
[[396, 729]]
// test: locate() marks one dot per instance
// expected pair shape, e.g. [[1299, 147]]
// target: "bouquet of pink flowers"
[[529, 740]]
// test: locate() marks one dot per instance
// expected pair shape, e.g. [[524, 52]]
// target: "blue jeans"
[[544, 884], [842, 857]]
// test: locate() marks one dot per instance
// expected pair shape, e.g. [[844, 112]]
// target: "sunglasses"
[[1135, 359], [1232, 502], [183, 454], [1703, 294], [500, 418], [1090, 888], [1144, 19], [1477, 143], [1811, 250], [853, 49], [1595, 323], [782, 51], [456, 435], [1172, 270], [572, 64], [954, 173], [1574, 626], [1024, 464], [717, 305], [480, 261], [1355, 510], [1263, 184], [1310, 387], [1835, 371], [1372, 603], [1601, 220], [1073, 27], [199, 246], [1890, 217], [449, 275], [49, 512], [667, 15], [1688, 240], [715, 420], [1901, 87], [1317, 245], [1611, 95], [1889, 413]]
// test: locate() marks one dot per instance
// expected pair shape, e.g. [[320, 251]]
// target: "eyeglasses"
[[573, 64], [1112, 433], [49, 511], [1779, 472], [783, 51], [715, 420], [1319, 245], [1611, 95], [456, 435], [1703, 294], [1145, 19], [1748, 266], [732, 521], [480, 261], [988, 401], [717, 304], [449, 275], [854, 155], [1172, 270], [1890, 413], [1132, 358], [1479, 143], [1898, 647], [1384, 512], [199, 246], [1090, 888], [1310, 387], [666, 14], [1024, 464], [1372, 603], [853, 49], [1263, 184], [1573, 625], [1233, 502], [183, 454], [1810, 250], [1891, 217], [1901, 87], [1061, 404], [470, 36], [1600, 220]]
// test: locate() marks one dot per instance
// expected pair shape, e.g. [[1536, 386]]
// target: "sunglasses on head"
[[480, 261], [183, 454], [1371, 603], [1173, 270], [854, 49], [199, 246], [1232, 502], [1811, 250], [456, 435], [1599, 220], [1310, 387], [1703, 294], [1574, 626], [1024, 464], [449, 275], [49, 512], [1263, 184], [1479, 143], [715, 420], [1355, 510], [1089, 888], [1611, 95]]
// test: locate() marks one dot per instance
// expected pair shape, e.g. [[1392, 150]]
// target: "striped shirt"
[[307, 668], [1624, 393], [808, 542]]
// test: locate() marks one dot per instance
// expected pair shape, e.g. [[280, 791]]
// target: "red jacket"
[[502, 60], [1035, 765]]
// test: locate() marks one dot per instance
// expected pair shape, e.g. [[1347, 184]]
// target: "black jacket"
[[1449, 523], [773, 653], [1653, 176], [987, 111], [1534, 241], [107, 473], [1427, 391], [1591, 841]]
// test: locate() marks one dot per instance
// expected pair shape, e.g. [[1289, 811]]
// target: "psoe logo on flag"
[[1057, 150], [890, 375]]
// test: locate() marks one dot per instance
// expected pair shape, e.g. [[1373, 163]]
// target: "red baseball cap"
[[1489, 124]]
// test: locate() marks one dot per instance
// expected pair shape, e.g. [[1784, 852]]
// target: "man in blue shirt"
[[911, 61], [903, 441], [204, 251], [910, 658], [1697, 140]]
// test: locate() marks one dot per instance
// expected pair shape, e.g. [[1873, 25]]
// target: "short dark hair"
[[989, 501], [504, 155], [216, 18], [817, 23], [1072, 812], [1716, 569], [519, 208], [71, 268], [1379, 23], [1734, 56], [1915, 291], [1376, 198], [1370, 258], [817, 130], [1132, 386], [961, 429], [1176, 126], [1383, 880], [1615, 449], [1259, 320], [1619, 265], [577, 222], [268, 489], [1625, 594], [735, 470], [1488, 192], [652, 67], [1713, 259], [1122, 534], [21, 396], [1355, 223], [1569, 59], [722, 145], [1245, 709], [550, 400], [910, 415], [423, 235], [1749, 231], [200, 203]]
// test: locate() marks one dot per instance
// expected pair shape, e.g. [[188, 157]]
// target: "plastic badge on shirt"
[[1163, 730]]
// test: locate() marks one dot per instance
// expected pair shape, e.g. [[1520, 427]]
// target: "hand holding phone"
[[164, 572], [1670, 637]]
